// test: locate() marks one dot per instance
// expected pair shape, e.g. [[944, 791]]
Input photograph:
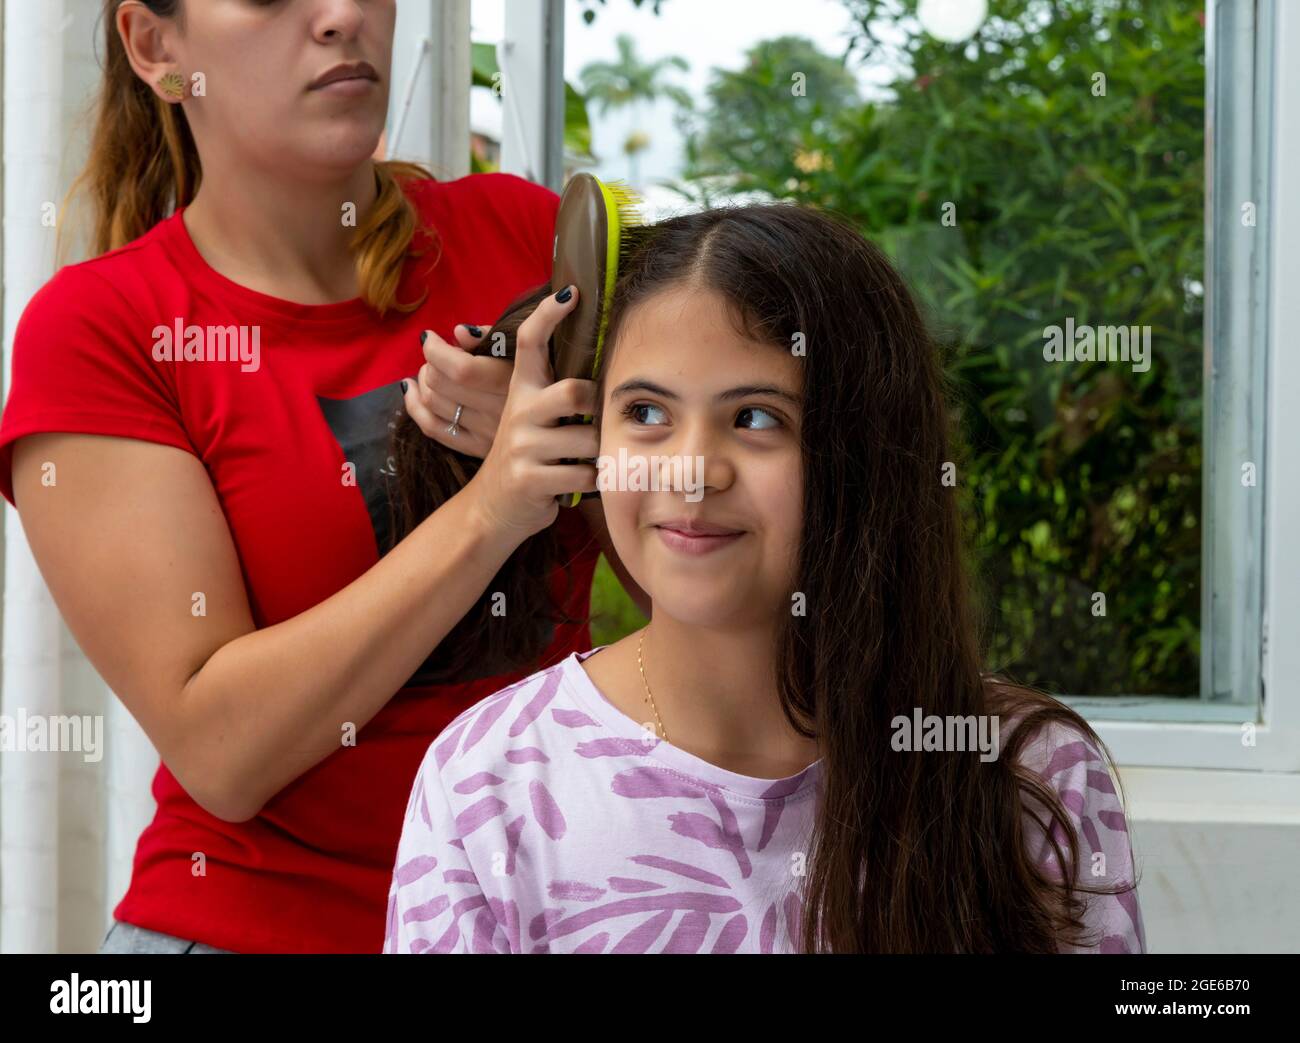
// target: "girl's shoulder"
[[504, 730], [1069, 761], [1059, 746]]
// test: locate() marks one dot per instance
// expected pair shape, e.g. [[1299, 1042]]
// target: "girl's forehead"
[[693, 328], [665, 311]]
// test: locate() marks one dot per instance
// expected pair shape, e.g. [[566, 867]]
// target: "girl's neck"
[[715, 692]]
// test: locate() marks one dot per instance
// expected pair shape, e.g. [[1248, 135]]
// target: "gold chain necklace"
[[650, 698]]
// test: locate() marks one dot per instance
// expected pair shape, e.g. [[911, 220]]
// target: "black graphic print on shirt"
[[363, 427]]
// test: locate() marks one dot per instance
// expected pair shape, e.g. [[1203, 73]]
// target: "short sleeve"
[[538, 209], [435, 902], [83, 363], [1074, 768]]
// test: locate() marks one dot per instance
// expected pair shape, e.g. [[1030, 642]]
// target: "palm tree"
[[628, 81]]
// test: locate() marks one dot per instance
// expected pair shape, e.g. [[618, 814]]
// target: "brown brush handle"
[[566, 499]]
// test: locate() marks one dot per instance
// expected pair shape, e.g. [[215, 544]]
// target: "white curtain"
[[68, 826]]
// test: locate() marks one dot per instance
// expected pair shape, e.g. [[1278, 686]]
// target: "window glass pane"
[[1038, 170]]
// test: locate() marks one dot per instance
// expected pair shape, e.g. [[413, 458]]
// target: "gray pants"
[[127, 937]]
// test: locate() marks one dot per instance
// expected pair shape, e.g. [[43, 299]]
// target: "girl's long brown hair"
[[911, 852], [143, 165], [513, 621]]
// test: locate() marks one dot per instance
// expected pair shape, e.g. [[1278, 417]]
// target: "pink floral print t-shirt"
[[544, 819]]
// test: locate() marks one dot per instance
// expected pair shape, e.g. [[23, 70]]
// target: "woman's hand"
[[452, 377], [516, 487]]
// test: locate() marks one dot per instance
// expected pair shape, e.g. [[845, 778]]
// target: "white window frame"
[[531, 59], [428, 106], [1251, 304], [1251, 584]]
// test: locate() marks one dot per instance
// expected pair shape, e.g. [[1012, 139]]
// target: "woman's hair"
[[143, 164], [910, 852]]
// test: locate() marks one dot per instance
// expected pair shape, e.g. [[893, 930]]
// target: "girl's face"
[[259, 58], [685, 386]]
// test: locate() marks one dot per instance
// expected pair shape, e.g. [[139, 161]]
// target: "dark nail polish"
[[424, 335], [404, 383], [474, 331], [564, 295]]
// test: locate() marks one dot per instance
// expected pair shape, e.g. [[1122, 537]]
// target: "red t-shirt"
[[311, 872]]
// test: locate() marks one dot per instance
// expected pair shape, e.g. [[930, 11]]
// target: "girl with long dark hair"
[[800, 752]]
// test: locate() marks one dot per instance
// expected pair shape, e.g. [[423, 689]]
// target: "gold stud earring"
[[172, 85]]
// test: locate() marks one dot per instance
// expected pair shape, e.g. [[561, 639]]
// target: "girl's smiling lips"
[[692, 536]]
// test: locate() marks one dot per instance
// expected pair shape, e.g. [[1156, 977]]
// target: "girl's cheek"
[[622, 520], [781, 497]]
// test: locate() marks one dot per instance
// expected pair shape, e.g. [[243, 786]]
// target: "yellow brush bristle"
[[627, 201], [621, 212]]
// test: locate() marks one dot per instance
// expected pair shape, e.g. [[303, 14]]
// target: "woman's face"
[[682, 384], [258, 59]]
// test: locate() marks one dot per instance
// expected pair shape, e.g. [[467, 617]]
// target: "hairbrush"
[[590, 234]]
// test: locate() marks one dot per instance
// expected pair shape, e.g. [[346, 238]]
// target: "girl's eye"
[[755, 411], [634, 410]]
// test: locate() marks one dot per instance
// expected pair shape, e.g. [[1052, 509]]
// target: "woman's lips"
[[695, 542], [353, 86]]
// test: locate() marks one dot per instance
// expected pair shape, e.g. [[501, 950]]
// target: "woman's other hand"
[[516, 487], [451, 376]]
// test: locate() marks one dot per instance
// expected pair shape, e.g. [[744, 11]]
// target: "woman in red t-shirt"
[[196, 438]]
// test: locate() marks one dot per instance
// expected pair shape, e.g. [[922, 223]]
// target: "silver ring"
[[455, 420]]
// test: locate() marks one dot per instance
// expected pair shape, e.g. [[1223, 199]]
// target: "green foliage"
[[589, 7], [485, 72], [613, 613], [628, 82], [755, 131], [1078, 477]]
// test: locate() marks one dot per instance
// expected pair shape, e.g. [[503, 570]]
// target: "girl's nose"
[[705, 459]]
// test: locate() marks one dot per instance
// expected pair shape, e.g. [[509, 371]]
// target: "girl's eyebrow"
[[744, 391]]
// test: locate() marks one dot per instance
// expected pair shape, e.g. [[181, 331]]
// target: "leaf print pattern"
[[1074, 768], [545, 820]]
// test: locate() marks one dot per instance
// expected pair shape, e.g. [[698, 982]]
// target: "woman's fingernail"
[[474, 331], [404, 383], [564, 295], [424, 335]]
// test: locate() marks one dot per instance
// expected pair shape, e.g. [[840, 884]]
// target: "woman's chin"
[[342, 147]]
